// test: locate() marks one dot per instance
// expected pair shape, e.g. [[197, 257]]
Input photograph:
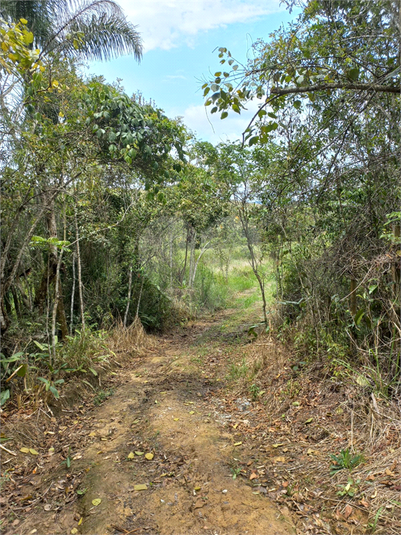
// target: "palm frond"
[[93, 29], [100, 29], [101, 38]]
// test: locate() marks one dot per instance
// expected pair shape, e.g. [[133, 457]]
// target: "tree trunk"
[[186, 253], [395, 268], [128, 296], [61, 317], [192, 258], [56, 311], [171, 258], [72, 294], [14, 293], [140, 296], [245, 226], [204, 248], [352, 297], [80, 287]]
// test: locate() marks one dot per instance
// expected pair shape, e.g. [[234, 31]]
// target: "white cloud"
[[167, 24], [211, 128]]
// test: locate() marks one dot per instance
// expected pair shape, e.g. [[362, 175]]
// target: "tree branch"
[[337, 85]]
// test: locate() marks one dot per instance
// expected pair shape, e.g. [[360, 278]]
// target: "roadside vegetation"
[[118, 225]]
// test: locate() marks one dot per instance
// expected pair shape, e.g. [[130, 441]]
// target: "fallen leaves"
[[29, 450], [149, 456], [348, 510], [142, 486], [96, 502], [199, 504]]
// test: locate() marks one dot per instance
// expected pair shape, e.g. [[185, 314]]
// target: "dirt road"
[[156, 457]]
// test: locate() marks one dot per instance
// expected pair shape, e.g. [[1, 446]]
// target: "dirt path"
[[168, 408]]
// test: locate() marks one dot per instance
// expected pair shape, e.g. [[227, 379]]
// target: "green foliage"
[[16, 54], [90, 30], [235, 471], [316, 54], [345, 460], [4, 396], [67, 461], [238, 370], [102, 396], [254, 390], [350, 489], [373, 524], [50, 386], [211, 294]]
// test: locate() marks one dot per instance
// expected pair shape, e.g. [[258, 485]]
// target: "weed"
[[291, 390], [50, 385], [102, 395], [350, 489], [4, 479], [345, 460], [67, 461], [254, 390], [237, 371], [235, 472], [373, 525]]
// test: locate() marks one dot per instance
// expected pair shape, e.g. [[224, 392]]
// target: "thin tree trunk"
[[352, 297], [72, 294], [129, 295], [10, 279], [171, 259], [55, 309], [191, 258], [62, 319], [395, 268], [139, 297], [245, 227], [5, 284], [14, 293], [80, 287], [186, 254], [55, 264], [204, 248]]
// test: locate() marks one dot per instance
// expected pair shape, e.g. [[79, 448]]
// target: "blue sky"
[[179, 37]]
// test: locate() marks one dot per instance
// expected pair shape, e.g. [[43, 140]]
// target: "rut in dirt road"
[[161, 461]]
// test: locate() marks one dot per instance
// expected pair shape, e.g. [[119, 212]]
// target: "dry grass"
[[128, 340], [342, 415]]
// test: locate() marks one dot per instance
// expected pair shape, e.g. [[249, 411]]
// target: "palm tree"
[[92, 29]]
